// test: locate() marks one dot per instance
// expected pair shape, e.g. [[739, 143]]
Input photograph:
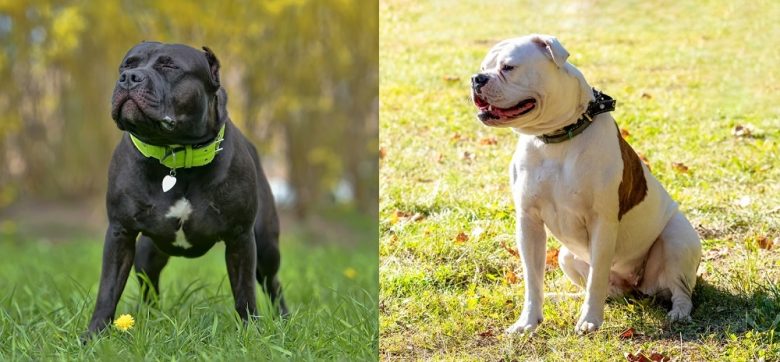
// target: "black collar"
[[602, 104]]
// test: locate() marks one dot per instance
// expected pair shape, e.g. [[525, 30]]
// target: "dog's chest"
[[180, 212], [180, 225]]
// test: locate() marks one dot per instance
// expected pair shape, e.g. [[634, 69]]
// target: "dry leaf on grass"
[[510, 250], [461, 238], [640, 357], [511, 277], [489, 141], [382, 152], [486, 334], [646, 95], [552, 257], [630, 333], [679, 167], [644, 160], [741, 131], [764, 242], [451, 78]]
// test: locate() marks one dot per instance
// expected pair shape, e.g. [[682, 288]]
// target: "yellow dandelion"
[[124, 322], [350, 273]]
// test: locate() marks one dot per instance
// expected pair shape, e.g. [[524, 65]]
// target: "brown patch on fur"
[[633, 186]]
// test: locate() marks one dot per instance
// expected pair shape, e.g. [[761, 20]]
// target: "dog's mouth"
[[139, 107], [490, 114]]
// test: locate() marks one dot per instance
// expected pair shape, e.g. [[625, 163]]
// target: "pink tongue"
[[522, 109]]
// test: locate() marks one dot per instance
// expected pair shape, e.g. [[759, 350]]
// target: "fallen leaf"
[[552, 257], [624, 133], [418, 216], [451, 78], [628, 333], [382, 152], [646, 95], [645, 160], [764, 242], [741, 131], [510, 250], [456, 137], [489, 141], [679, 167], [468, 156], [486, 334], [404, 214], [461, 238], [657, 357], [638, 357], [511, 277]]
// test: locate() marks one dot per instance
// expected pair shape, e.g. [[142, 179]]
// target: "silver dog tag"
[[168, 182]]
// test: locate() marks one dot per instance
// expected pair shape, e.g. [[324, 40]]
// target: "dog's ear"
[[213, 67], [552, 48]]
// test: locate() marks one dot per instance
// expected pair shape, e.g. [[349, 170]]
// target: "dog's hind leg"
[[149, 263], [672, 264], [268, 261], [575, 269]]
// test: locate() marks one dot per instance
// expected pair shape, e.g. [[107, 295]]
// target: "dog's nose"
[[478, 81], [130, 79]]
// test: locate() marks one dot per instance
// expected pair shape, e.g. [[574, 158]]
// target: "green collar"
[[182, 156]]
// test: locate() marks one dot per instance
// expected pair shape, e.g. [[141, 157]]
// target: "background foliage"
[[301, 77]]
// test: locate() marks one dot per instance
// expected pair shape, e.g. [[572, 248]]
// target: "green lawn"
[[685, 76], [330, 287]]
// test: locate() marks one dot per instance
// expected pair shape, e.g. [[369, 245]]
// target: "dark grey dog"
[[183, 177]]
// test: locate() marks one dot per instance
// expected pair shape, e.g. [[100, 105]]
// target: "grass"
[[685, 74], [331, 289]]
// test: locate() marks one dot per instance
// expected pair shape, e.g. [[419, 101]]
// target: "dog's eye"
[[507, 67], [166, 62], [129, 62]]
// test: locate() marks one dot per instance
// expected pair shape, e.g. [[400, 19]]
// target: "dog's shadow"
[[721, 314]]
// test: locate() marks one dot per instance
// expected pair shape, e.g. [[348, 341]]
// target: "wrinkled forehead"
[[151, 50], [511, 51]]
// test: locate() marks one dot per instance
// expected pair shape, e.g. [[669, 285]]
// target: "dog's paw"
[[679, 315], [588, 322], [527, 323]]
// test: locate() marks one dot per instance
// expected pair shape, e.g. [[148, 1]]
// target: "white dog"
[[573, 173]]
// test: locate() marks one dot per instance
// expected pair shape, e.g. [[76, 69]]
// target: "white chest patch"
[[180, 210]]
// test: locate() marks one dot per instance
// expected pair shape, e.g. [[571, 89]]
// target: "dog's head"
[[526, 83], [169, 94]]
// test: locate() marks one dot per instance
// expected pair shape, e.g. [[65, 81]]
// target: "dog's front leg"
[[531, 239], [603, 235], [241, 260], [118, 252]]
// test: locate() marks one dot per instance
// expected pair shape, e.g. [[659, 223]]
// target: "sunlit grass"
[[49, 294]]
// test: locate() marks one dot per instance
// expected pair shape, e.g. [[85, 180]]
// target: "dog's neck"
[[602, 103]]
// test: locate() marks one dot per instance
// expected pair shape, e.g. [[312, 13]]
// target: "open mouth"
[[489, 112]]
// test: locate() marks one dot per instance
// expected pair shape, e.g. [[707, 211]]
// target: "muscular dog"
[[183, 177], [573, 173]]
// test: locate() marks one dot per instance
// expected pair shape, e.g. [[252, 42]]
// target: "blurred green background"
[[301, 78]]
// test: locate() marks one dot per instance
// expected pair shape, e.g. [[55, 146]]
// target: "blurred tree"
[[302, 76]]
